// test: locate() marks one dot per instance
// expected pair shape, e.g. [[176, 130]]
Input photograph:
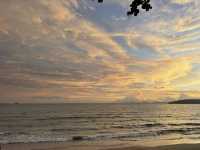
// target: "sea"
[[34, 123]]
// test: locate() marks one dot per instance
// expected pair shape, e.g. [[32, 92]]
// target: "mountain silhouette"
[[186, 101]]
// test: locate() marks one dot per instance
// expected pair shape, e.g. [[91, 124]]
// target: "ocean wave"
[[153, 125], [5, 133], [73, 129], [130, 126], [184, 124], [32, 139], [125, 135], [86, 117]]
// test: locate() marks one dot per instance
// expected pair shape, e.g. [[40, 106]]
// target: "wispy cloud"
[[78, 50]]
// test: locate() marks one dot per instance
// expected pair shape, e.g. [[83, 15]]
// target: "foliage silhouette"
[[145, 4]]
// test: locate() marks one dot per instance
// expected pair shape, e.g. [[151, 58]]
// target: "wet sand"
[[168, 147], [64, 146]]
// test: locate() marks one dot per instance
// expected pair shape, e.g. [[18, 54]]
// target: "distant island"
[[186, 101]]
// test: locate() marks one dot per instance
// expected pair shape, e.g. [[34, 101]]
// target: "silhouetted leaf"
[[134, 10]]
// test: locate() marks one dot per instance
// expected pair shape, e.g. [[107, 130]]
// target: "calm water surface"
[[99, 122]]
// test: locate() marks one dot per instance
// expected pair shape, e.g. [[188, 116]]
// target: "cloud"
[[68, 49]]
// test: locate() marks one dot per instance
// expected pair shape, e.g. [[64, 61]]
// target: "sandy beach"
[[64, 146]]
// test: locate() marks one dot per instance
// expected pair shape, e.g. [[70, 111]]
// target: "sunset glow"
[[82, 51]]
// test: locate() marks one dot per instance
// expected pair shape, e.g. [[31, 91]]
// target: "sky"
[[83, 51]]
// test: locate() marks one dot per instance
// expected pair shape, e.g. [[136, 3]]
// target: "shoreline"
[[165, 147], [81, 146]]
